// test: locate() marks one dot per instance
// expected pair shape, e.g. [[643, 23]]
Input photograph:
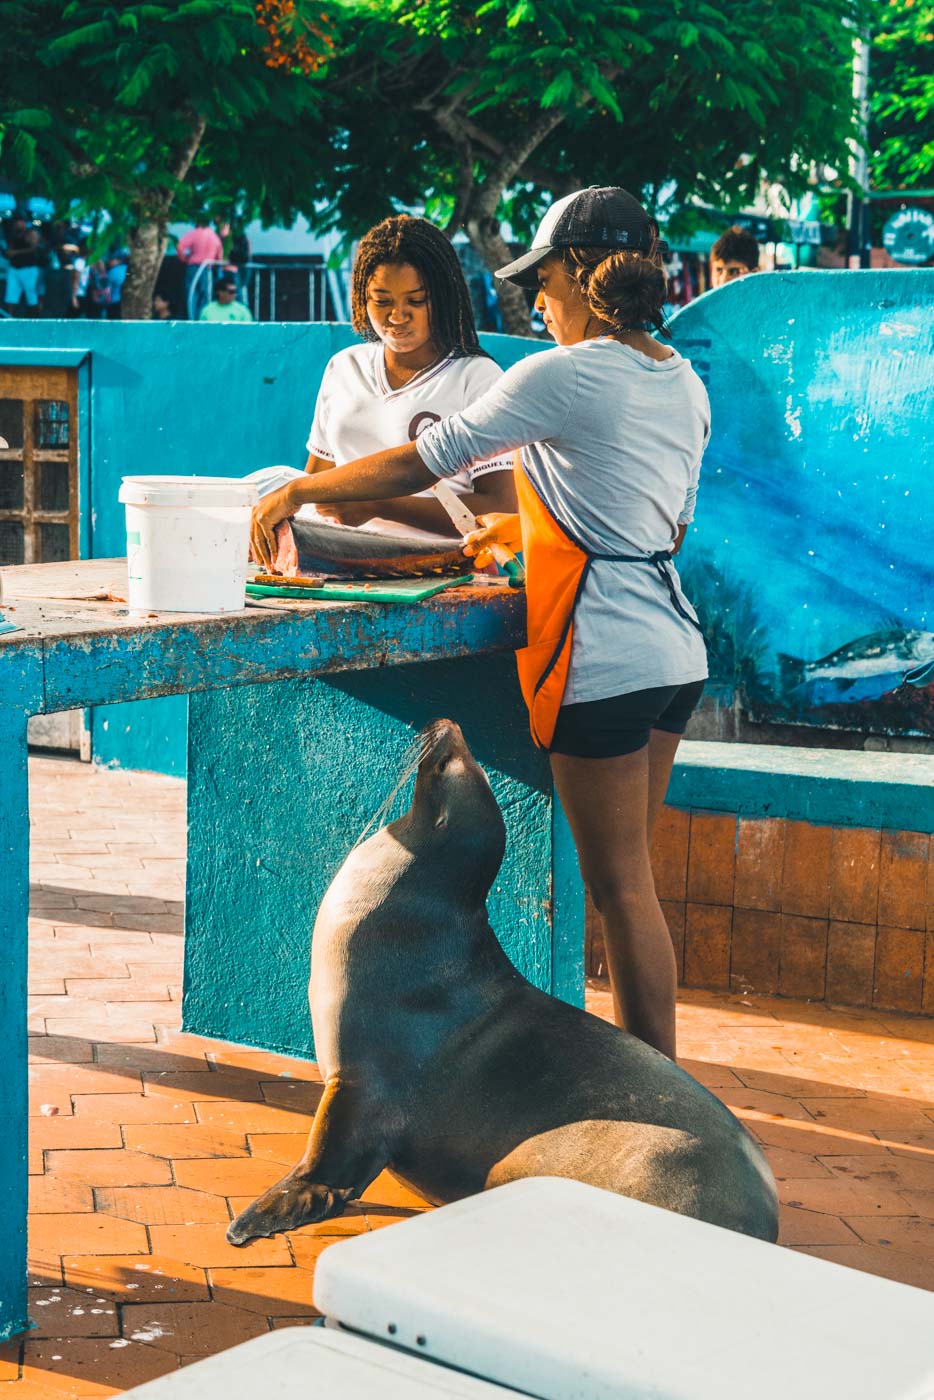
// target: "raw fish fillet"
[[341, 551]]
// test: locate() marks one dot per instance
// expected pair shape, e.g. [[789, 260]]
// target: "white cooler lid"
[[313, 1363], [567, 1292], [188, 491]]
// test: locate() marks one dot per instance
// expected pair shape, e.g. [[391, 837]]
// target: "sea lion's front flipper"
[[345, 1152]]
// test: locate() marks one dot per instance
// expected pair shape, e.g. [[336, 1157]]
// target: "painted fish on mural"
[[865, 669], [343, 551]]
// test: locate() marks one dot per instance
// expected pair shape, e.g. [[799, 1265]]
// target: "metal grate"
[[11, 422], [53, 486], [11, 542], [51, 423], [12, 482], [38, 466]]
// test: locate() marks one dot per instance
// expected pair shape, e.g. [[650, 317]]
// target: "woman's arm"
[[418, 511], [532, 401], [379, 477], [314, 465], [493, 492]]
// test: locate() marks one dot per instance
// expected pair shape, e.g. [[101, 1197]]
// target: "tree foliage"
[[476, 110], [129, 107], [902, 85], [488, 110]]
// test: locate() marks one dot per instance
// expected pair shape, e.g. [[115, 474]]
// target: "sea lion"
[[443, 1064], [310, 546]]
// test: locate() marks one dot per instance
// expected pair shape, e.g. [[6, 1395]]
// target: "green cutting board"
[[401, 590]]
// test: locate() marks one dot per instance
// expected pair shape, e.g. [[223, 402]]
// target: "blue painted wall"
[[182, 397], [272, 818], [811, 562]]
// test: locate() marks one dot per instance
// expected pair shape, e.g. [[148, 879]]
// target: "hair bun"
[[628, 289]]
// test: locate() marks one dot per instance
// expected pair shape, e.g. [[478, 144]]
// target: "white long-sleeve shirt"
[[612, 440]]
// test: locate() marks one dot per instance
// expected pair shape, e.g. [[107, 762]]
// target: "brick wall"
[[825, 913]]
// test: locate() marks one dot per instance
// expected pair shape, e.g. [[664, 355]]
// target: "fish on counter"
[[864, 669], [318, 547]]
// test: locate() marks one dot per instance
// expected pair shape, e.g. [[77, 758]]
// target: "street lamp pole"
[[858, 206]]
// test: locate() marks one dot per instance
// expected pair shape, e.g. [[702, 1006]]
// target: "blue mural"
[[811, 560]]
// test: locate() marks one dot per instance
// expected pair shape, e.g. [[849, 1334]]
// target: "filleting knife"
[[465, 520]]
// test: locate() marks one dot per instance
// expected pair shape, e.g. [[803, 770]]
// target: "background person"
[[26, 256], [115, 270], [224, 306], [735, 254], [80, 281], [239, 255], [420, 361], [612, 426], [197, 249]]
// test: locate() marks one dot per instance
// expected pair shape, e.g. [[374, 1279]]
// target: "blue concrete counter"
[[300, 718]]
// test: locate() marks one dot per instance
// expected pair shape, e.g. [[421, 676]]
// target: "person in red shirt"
[[202, 245]]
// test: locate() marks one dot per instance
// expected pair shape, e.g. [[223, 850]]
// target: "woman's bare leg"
[[606, 801], [662, 749]]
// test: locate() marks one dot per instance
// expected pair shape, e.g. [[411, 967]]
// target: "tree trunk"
[[487, 240], [482, 225], [149, 235], [147, 248]]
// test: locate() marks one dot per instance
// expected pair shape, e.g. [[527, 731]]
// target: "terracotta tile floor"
[[145, 1140]]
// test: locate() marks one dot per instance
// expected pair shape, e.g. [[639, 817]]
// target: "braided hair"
[[406, 239]]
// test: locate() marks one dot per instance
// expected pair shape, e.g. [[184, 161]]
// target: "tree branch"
[[186, 150], [559, 183], [512, 158], [465, 188]]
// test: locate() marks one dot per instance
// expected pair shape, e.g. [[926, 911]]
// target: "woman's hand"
[[271, 510], [498, 528]]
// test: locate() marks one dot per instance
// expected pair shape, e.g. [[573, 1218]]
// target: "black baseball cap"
[[602, 216]]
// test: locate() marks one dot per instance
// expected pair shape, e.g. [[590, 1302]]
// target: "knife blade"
[[465, 520]]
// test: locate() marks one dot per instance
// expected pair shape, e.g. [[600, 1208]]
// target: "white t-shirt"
[[358, 412], [612, 441]]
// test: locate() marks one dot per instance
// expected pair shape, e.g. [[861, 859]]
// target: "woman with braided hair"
[[420, 361], [612, 425]]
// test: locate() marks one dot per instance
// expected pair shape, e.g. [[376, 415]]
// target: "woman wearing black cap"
[[612, 426]]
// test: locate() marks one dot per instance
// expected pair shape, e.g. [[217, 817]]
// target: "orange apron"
[[556, 569]]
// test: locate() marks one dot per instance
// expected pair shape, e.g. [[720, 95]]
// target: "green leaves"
[[902, 87], [521, 13], [560, 91], [155, 64], [109, 104], [23, 148], [424, 102], [102, 32]]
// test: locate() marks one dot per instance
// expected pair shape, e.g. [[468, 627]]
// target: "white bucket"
[[187, 542]]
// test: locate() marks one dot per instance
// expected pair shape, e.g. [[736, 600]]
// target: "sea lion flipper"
[[345, 1152]]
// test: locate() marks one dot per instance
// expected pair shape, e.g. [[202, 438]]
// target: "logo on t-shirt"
[[420, 422]]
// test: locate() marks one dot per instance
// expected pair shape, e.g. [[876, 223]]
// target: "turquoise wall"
[[181, 397], [811, 564], [272, 817]]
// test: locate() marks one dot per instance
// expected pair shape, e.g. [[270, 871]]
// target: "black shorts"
[[622, 724]]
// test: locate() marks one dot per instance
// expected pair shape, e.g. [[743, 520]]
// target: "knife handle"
[[509, 564]]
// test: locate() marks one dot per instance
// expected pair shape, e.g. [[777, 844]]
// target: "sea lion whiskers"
[[417, 750]]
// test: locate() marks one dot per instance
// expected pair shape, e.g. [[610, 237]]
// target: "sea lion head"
[[454, 815]]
